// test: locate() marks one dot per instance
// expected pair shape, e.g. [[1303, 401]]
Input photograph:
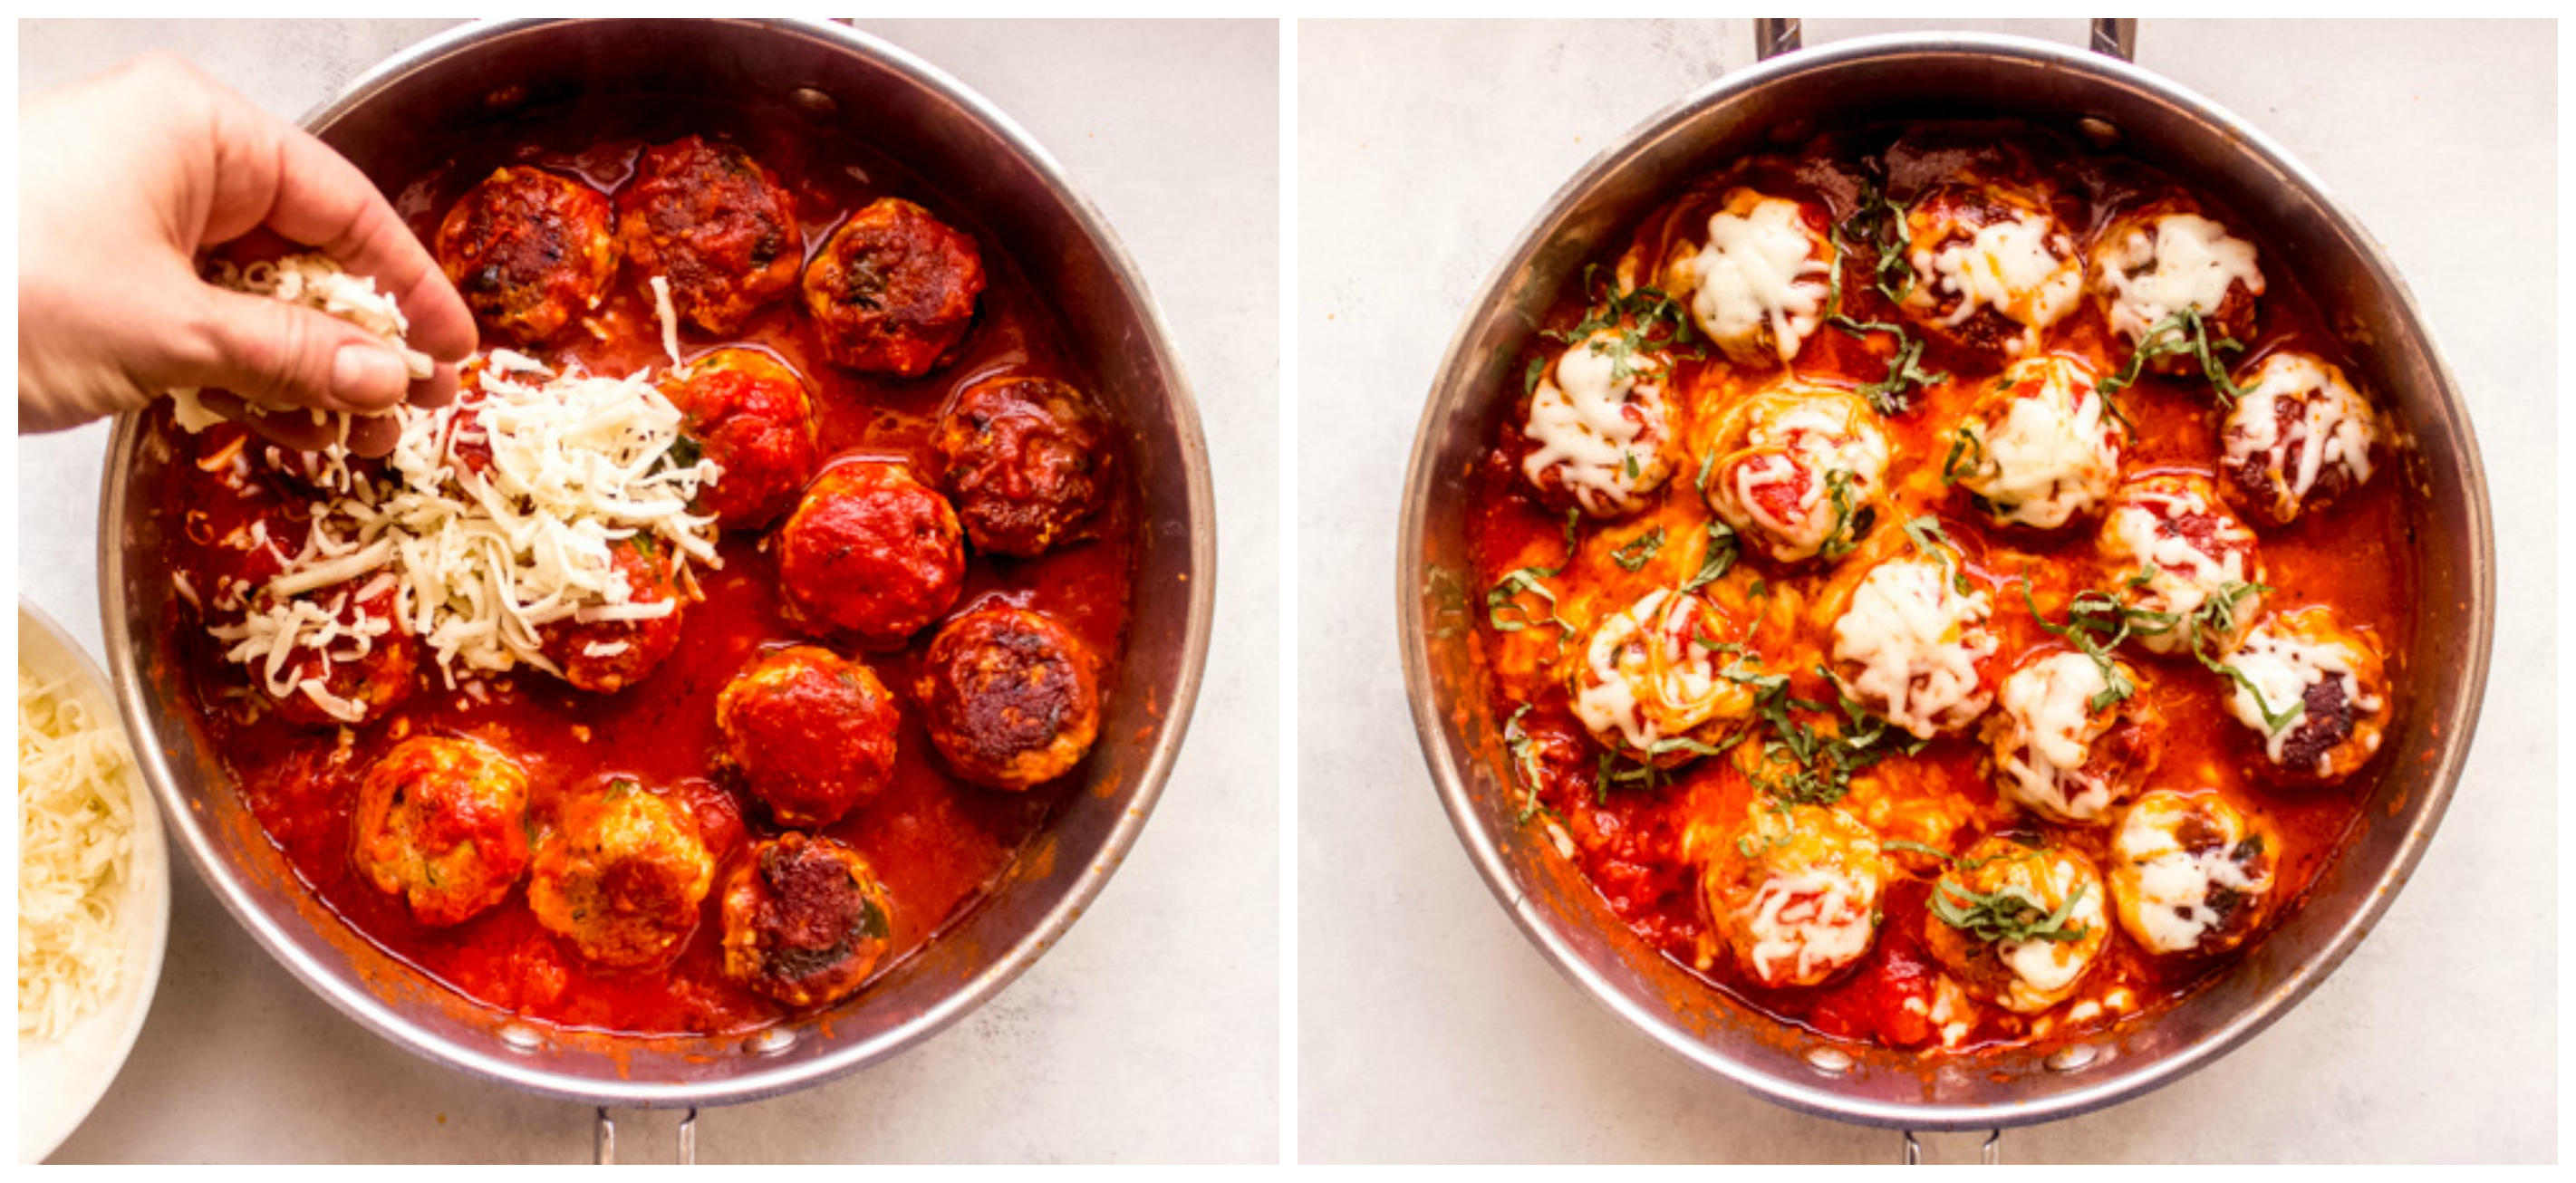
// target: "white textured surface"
[[1150, 1033], [1431, 1030]]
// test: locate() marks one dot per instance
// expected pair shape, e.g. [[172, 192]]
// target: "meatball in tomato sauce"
[[2018, 922], [2191, 874], [871, 552], [812, 732], [2300, 439], [606, 648], [530, 251], [620, 874], [2314, 691], [443, 823], [894, 289], [351, 658], [716, 224], [754, 417], [1993, 267], [1010, 698], [2157, 261], [1795, 893], [1600, 431], [1027, 460], [2065, 748], [1799, 471], [805, 920]]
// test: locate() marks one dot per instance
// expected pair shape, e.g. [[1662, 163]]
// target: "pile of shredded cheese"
[[482, 556], [75, 838], [318, 283]]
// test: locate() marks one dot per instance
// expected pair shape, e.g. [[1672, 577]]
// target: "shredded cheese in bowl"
[[75, 854]]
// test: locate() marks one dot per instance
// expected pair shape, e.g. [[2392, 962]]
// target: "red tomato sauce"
[[935, 842], [2355, 555]]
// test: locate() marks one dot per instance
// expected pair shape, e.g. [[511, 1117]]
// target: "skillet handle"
[[1990, 1153], [2116, 36], [603, 1138]]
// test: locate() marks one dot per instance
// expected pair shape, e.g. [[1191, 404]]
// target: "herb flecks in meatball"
[[443, 823], [1009, 697], [1027, 460], [812, 732], [754, 417], [894, 290], [714, 222], [805, 920], [620, 875], [530, 251]]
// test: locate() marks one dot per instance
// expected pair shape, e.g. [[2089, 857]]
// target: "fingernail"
[[367, 375]]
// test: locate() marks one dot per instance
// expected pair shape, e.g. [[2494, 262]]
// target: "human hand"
[[123, 179]]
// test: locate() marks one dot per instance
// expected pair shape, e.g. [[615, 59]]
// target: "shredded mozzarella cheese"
[[2177, 261], [1760, 268], [482, 555], [2007, 266], [75, 840], [1916, 643], [1580, 415]]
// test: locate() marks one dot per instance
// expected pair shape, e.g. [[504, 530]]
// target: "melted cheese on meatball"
[[1581, 418], [2044, 969], [2283, 666], [2052, 457], [1645, 678], [1815, 920], [2047, 707], [2171, 911], [2178, 261], [1917, 643], [2333, 422], [1821, 439], [2181, 574], [2006, 266], [1759, 268]]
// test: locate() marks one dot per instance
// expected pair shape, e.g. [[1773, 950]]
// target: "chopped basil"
[[1845, 535], [1525, 761], [1880, 224], [1967, 444], [1715, 559], [1639, 550], [1503, 596], [1926, 535], [2010, 914], [2185, 331], [1889, 395]]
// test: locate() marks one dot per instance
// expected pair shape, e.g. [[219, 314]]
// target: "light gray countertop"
[[1151, 1032], [1431, 1030]]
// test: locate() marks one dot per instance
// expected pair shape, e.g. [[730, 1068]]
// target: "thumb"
[[279, 354]]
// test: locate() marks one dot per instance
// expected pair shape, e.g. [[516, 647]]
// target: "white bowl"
[[61, 1080]]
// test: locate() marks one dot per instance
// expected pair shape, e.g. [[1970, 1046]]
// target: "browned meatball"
[[1009, 697], [752, 415], [529, 251], [871, 552], [812, 732], [1993, 268], [443, 823], [1027, 461], [2163, 257], [894, 289], [605, 656], [716, 223], [352, 659], [620, 874], [805, 921]]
